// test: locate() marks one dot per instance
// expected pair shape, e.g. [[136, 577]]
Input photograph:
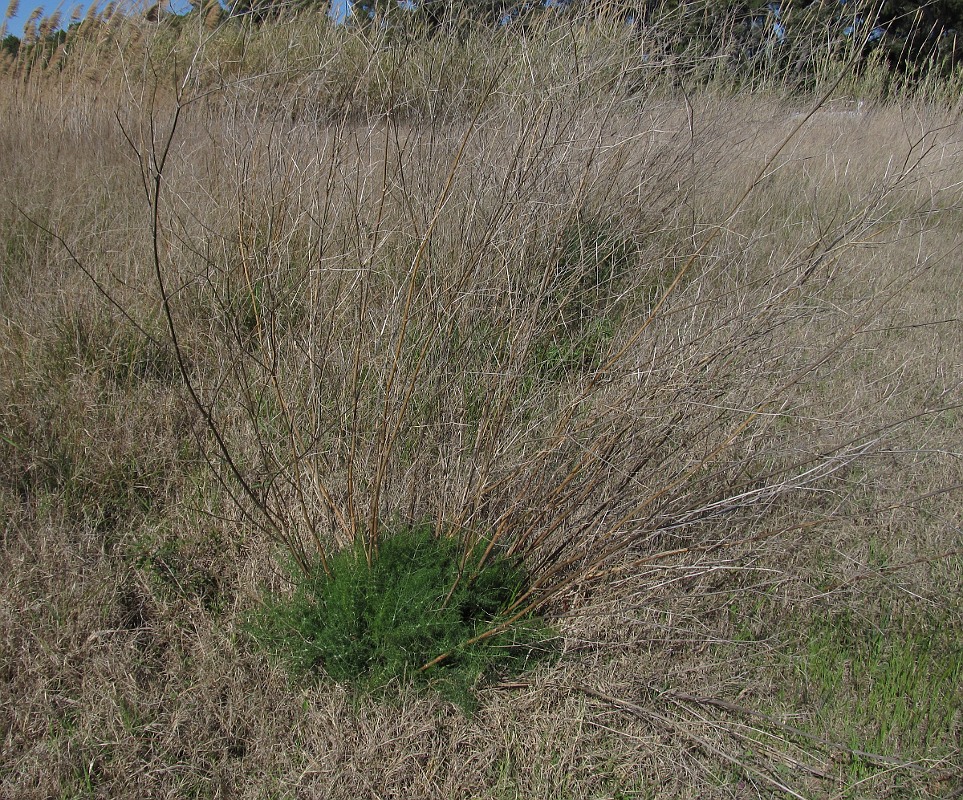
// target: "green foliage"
[[592, 256], [182, 567], [892, 688], [578, 317], [581, 349], [21, 244], [421, 596], [47, 449], [884, 682], [10, 44], [907, 682], [86, 429], [97, 345]]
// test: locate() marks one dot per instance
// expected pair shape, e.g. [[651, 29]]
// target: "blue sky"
[[15, 25], [27, 7]]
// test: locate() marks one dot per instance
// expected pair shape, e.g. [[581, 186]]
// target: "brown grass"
[[375, 292]]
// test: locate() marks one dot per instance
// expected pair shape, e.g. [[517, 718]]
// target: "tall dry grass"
[[693, 357]]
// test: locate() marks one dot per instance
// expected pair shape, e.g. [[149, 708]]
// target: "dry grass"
[[394, 304]]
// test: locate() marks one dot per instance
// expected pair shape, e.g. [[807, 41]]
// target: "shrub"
[[373, 620]]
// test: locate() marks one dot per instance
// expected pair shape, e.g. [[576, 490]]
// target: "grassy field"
[[691, 354]]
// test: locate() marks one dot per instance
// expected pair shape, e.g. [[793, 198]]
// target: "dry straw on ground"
[[524, 294]]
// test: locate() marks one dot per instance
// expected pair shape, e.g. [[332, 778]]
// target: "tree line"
[[903, 35]]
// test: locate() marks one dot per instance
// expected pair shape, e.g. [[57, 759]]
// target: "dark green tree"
[[10, 44]]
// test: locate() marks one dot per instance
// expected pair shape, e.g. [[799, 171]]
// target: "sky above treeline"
[[15, 24], [25, 8]]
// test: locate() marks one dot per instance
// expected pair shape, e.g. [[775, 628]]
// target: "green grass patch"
[[890, 687], [564, 352], [373, 625], [579, 313], [883, 682], [182, 568], [97, 345]]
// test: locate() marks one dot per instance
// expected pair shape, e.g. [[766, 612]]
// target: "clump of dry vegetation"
[[689, 356]]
